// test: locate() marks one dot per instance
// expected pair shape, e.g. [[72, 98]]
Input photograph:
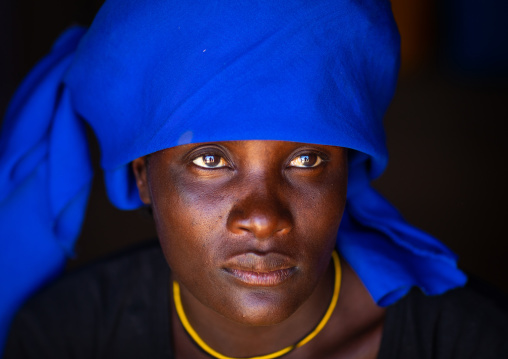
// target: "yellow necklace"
[[308, 338]]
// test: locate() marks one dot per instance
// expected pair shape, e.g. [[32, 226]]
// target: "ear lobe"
[[139, 167]]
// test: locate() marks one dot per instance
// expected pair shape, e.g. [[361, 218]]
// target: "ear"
[[139, 167]]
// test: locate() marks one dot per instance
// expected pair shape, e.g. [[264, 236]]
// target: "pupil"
[[211, 160], [308, 160]]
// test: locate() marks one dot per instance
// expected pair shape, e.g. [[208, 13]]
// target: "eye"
[[307, 160], [210, 161]]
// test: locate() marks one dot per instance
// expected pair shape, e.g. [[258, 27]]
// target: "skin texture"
[[248, 228]]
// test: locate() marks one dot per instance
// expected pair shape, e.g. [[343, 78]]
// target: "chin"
[[262, 309]]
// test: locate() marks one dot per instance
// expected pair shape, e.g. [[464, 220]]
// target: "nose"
[[260, 214]]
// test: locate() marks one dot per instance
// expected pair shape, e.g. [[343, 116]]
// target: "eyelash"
[[307, 158], [202, 159]]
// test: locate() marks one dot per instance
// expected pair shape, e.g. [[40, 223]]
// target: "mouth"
[[261, 278], [265, 270]]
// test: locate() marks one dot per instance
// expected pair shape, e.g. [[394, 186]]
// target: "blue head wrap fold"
[[149, 75]]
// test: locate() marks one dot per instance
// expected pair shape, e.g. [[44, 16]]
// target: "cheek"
[[188, 216], [319, 206]]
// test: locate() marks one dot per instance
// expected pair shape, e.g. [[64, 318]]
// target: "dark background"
[[445, 127]]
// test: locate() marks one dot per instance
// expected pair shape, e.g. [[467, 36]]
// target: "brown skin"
[[226, 212]]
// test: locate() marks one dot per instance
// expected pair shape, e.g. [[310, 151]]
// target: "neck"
[[236, 340]]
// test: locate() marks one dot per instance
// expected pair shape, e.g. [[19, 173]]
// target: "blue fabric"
[[43, 193], [149, 75]]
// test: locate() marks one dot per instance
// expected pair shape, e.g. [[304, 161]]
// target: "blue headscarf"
[[149, 75]]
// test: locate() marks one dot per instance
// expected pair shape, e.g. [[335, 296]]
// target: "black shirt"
[[119, 308]]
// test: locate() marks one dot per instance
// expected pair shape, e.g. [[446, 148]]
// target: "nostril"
[[283, 231], [261, 224]]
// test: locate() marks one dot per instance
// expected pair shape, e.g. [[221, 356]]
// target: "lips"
[[263, 279], [260, 270]]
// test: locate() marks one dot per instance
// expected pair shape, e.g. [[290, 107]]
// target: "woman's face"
[[247, 227]]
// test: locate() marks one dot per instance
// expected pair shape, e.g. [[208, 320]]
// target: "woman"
[[252, 131]]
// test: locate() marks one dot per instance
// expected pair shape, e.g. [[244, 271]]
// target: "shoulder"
[[95, 308], [103, 282], [468, 322]]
